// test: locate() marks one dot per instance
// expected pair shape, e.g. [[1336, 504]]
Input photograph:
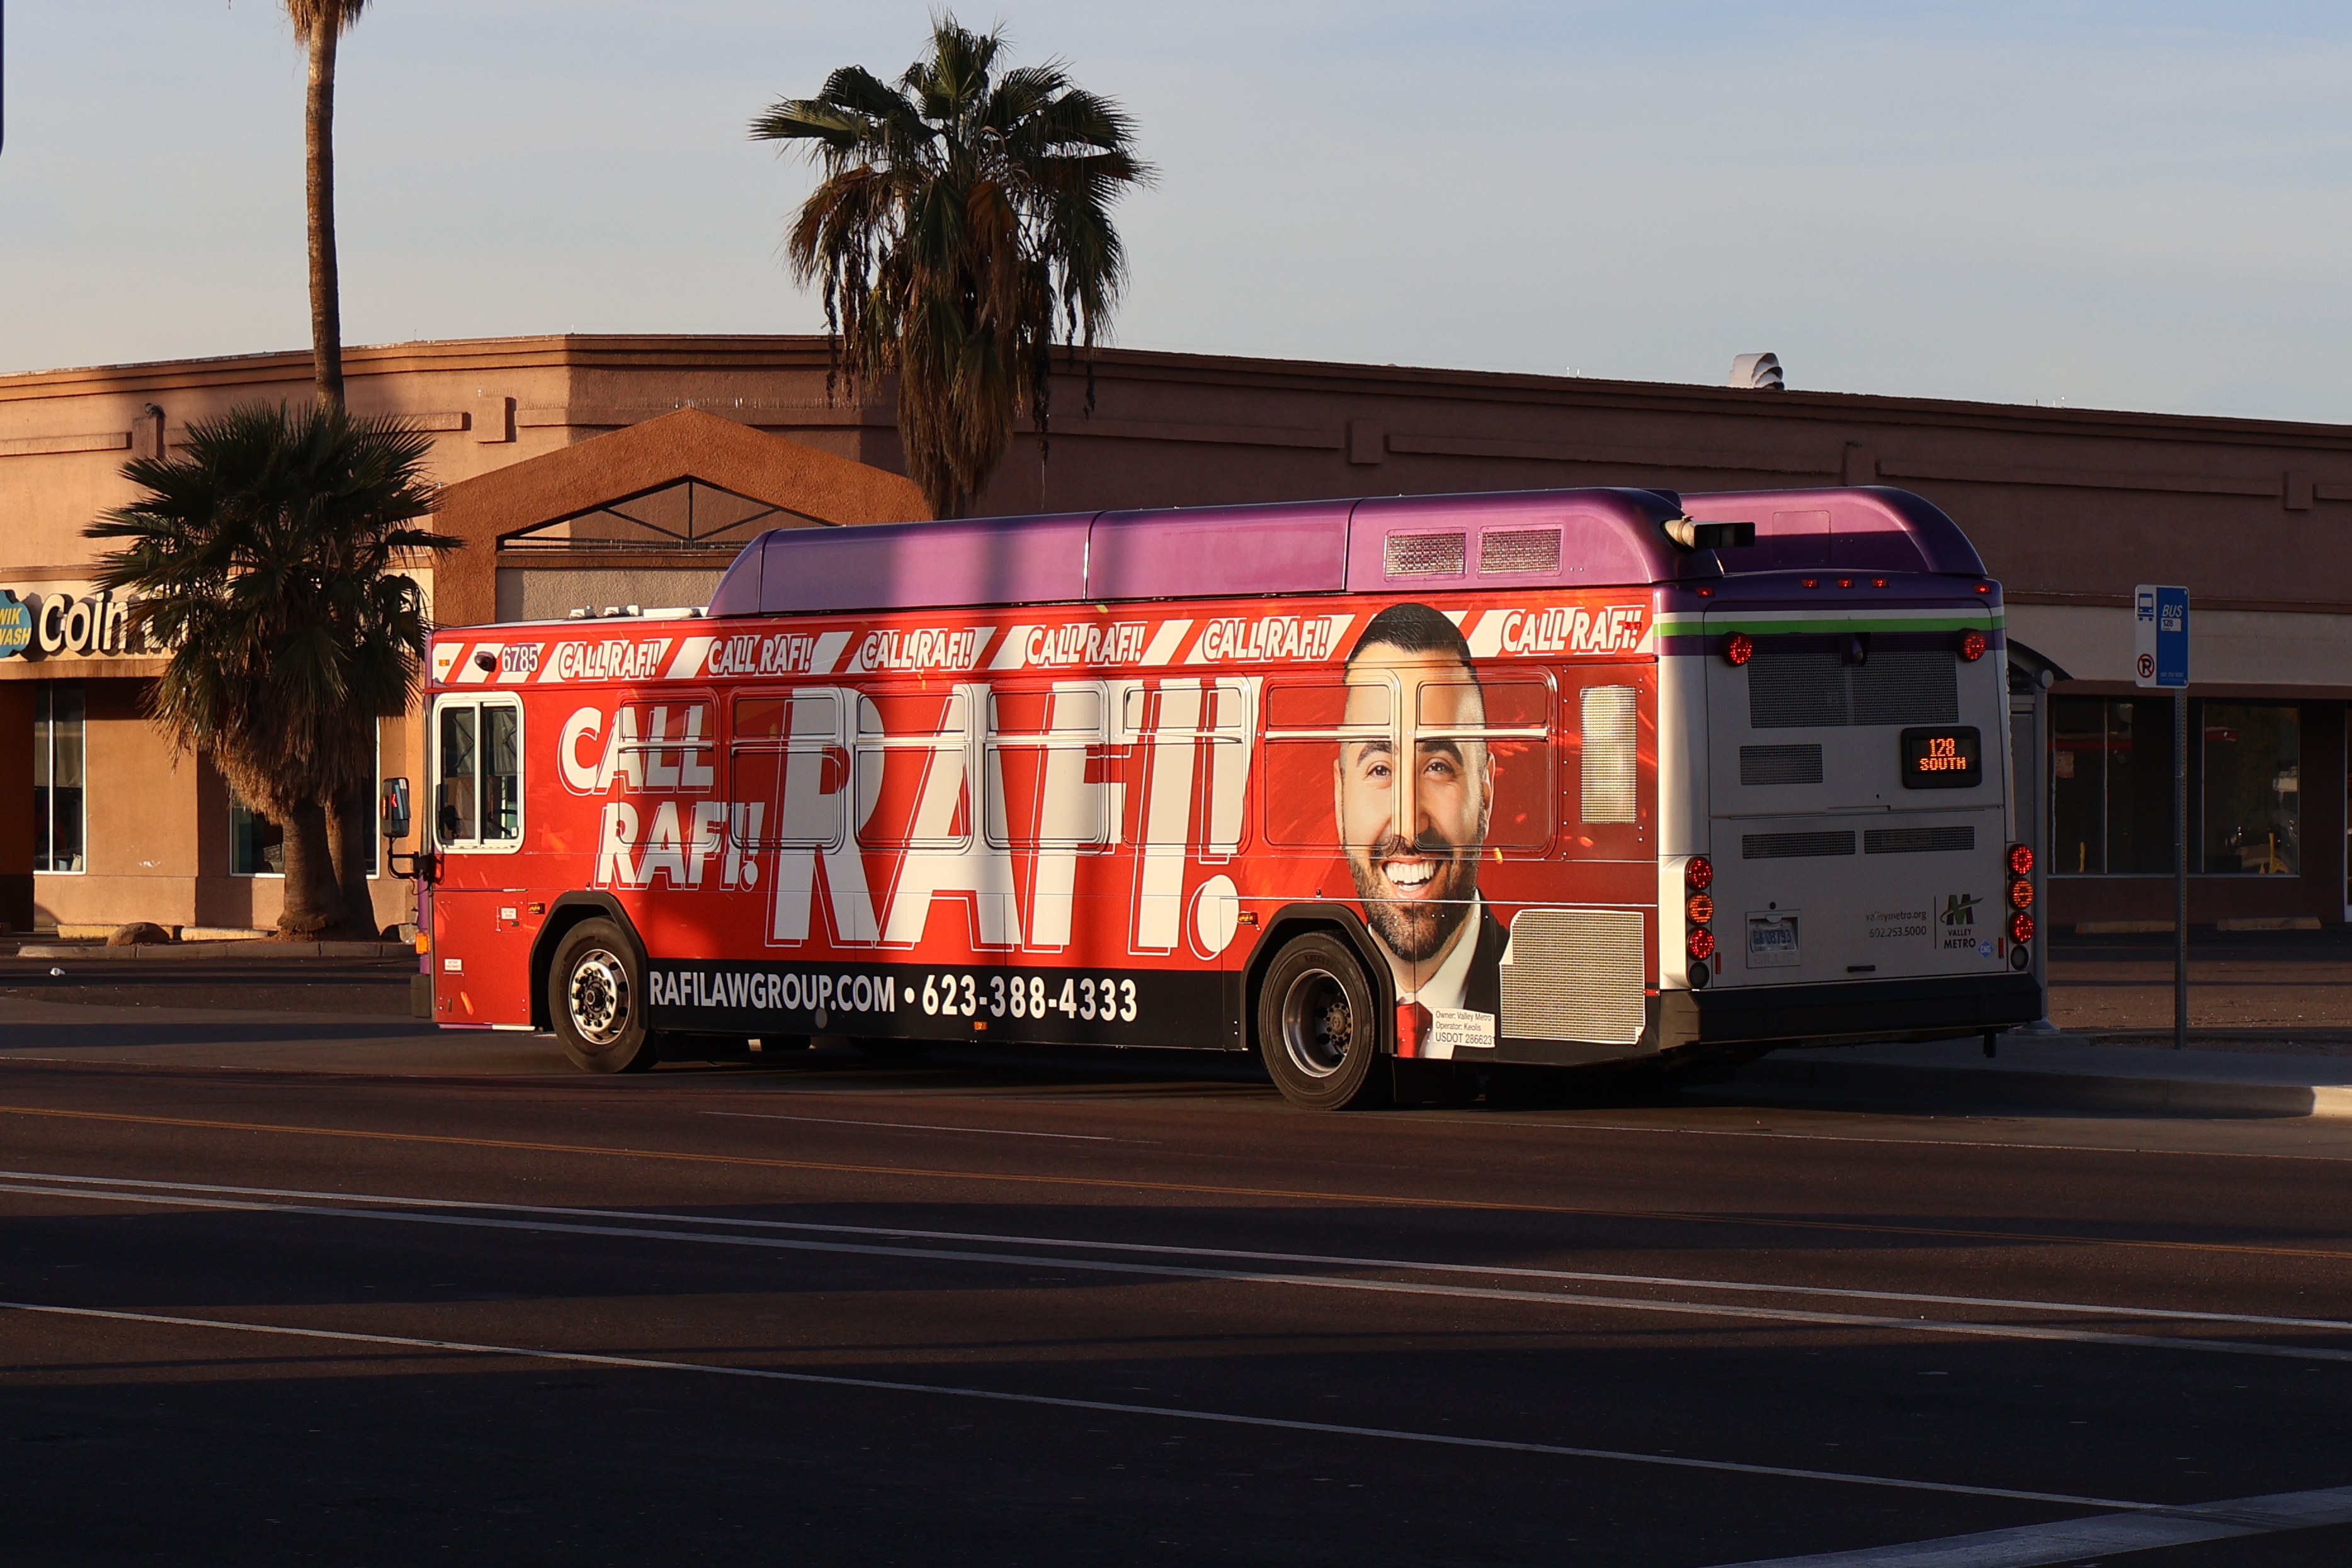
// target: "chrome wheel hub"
[[1316, 1023], [598, 998]]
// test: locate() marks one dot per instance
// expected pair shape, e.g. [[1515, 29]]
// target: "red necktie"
[[1413, 1024]]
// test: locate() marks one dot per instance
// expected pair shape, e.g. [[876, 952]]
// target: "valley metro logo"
[[1959, 909]]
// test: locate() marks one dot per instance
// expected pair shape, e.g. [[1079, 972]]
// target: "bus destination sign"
[[1944, 757]]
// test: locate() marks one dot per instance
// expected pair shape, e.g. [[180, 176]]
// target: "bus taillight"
[[1701, 909], [1701, 944], [1699, 872], [1972, 646], [2020, 894], [2021, 860], [2020, 928], [1740, 648]]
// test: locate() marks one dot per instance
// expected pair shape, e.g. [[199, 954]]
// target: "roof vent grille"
[[1758, 373], [1426, 554], [1513, 550]]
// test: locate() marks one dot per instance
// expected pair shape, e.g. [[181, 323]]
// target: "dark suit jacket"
[[1483, 991]]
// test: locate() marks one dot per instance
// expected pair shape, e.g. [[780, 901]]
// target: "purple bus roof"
[[1394, 543]]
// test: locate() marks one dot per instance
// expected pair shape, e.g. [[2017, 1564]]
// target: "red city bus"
[[1555, 777]]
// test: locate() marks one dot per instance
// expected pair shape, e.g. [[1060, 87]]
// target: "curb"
[[2089, 1090], [202, 950]]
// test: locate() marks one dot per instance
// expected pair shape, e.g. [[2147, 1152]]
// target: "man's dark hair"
[[1412, 628]]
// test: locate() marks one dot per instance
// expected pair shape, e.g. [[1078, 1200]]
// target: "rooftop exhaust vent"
[[1758, 373]]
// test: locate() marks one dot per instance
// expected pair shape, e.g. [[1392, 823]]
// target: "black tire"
[[1319, 1026], [596, 997]]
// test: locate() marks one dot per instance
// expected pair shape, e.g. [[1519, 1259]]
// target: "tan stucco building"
[[577, 481]]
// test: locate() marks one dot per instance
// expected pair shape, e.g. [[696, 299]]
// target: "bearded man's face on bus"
[[1412, 835]]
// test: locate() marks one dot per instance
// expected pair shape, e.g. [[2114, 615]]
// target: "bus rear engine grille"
[[1812, 688], [1574, 974], [1780, 764], [1793, 845], [1916, 840]]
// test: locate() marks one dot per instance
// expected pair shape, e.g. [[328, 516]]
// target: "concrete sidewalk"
[[2062, 1072], [80, 951]]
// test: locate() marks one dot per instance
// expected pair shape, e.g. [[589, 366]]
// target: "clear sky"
[[2141, 206]]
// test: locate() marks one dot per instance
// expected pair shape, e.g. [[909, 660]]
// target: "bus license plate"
[[1771, 940]]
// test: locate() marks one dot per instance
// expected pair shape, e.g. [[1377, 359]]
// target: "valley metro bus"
[[1382, 789]]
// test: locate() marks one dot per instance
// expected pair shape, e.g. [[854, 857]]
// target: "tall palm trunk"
[[326, 286], [350, 824], [314, 903]]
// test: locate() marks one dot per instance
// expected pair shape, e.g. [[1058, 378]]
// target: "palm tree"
[[264, 558], [964, 213], [318, 24]]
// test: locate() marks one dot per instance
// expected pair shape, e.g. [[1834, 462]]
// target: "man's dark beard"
[[1417, 930]]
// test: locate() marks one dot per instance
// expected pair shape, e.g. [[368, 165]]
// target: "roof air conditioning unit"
[[1756, 373]]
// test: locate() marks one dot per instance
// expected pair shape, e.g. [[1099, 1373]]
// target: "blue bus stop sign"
[[2159, 635]]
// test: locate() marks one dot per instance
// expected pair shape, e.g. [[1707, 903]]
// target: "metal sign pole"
[[2180, 867], [2160, 657]]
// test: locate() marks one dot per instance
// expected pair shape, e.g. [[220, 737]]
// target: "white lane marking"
[[916, 1126], [1171, 1413], [1926, 1140], [1589, 1277], [2071, 1539], [1233, 1276]]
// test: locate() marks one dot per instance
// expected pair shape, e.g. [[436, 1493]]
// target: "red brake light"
[[1972, 646], [1984, 587], [1702, 943], [1812, 582], [1878, 582], [2020, 928], [1701, 908], [2020, 859], [1740, 648], [2020, 893], [1699, 873], [1845, 581]]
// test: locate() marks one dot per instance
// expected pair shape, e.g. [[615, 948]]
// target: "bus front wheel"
[[596, 997], [1319, 1026]]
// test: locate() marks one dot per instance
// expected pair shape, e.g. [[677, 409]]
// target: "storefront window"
[[2253, 788], [256, 846], [58, 806], [2111, 785]]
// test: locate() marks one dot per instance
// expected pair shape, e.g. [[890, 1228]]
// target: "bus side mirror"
[[395, 808]]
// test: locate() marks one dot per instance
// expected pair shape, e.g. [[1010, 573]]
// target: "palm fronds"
[[267, 560], [963, 221]]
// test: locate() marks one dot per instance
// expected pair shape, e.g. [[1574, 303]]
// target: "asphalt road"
[[297, 1285]]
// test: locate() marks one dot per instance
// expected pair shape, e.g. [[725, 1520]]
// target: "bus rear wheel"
[[1319, 1026], [596, 997]]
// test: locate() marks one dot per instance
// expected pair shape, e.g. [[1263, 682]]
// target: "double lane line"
[[1733, 1300]]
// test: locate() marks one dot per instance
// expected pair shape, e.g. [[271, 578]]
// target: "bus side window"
[[1608, 729], [787, 773], [501, 774], [456, 795], [910, 766], [1042, 768], [1314, 729], [478, 775], [1497, 724]]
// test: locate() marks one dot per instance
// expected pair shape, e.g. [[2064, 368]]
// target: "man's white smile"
[[1411, 876]]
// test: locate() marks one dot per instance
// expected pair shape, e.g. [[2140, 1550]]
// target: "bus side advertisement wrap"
[[930, 827]]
